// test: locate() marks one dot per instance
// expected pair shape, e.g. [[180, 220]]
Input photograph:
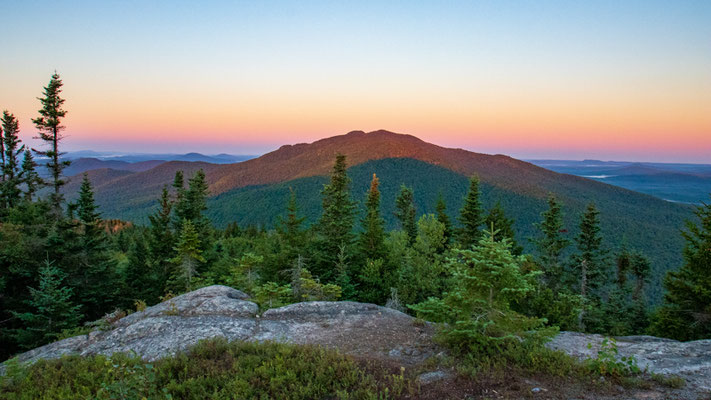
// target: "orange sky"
[[547, 81]]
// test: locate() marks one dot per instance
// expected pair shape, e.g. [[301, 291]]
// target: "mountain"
[[81, 165], [255, 191], [683, 183]]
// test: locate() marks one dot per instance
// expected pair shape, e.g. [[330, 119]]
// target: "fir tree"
[[290, 228], [188, 257], [406, 213], [180, 203], [343, 278], [550, 243], [470, 216], [503, 227], [441, 210], [49, 126], [686, 312], [29, 176], [98, 280], [161, 240], [11, 180], [51, 309], [139, 277], [372, 239], [335, 226], [588, 264]]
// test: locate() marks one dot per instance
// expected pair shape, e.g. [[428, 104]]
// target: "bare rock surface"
[[689, 360], [353, 328], [219, 311]]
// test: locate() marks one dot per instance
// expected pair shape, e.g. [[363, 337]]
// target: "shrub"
[[609, 363]]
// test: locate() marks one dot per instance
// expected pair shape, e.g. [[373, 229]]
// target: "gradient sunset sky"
[[612, 80]]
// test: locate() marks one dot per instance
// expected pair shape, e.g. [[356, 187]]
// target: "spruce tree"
[[51, 309], [686, 312], [441, 210], [98, 282], [589, 263], [29, 176], [290, 227], [406, 213], [372, 239], [188, 257], [503, 227], [49, 126], [550, 243], [11, 180], [161, 240], [470, 216], [180, 203], [335, 227]]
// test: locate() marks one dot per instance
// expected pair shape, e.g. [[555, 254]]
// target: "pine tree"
[[188, 257], [196, 197], [52, 310], [49, 126], [588, 263], [343, 278], [180, 204], [686, 312], [441, 210], [335, 226], [140, 280], [372, 239], [551, 243], [470, 216], [503, 227], [29, 176], [406, 213]]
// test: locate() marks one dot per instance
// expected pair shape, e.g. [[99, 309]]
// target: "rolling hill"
[[255, 191]]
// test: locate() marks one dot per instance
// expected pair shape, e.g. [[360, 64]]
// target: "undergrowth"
[[213, 369]]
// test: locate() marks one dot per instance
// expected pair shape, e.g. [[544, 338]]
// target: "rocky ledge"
[[352, 328]]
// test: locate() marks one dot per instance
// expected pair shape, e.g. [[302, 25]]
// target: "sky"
[[610, 80]]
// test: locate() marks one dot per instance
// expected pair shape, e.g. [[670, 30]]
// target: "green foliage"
[[244, 275], [335, 227], [10, 191], [51, 309], [550, 243], [372, 239], [212, 369], [497, 220], [443, 218], [470, 216], [49, 126], [609, 363], [686, 313], [272, 295], [188, 257], [406, 213], [476, 313]]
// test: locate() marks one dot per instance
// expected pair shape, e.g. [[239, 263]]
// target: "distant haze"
[[611, 80]]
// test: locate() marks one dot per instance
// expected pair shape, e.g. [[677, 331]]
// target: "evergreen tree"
[[11, 180], [588, 264], [686, 312], [97, 281], [51, 309], [335, 226], [161, 240], [551, 243], [49, 126], [470, 216], [188, 257], [372, 239], [29, 176], [180, 204], [196, 197], [441, 209], [406, 213], [503, 226], [290, 228], [140, 280], [343, 278]]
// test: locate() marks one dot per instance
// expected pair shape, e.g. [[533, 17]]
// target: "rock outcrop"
[[219, 311], [352, 328], [689, 360]]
